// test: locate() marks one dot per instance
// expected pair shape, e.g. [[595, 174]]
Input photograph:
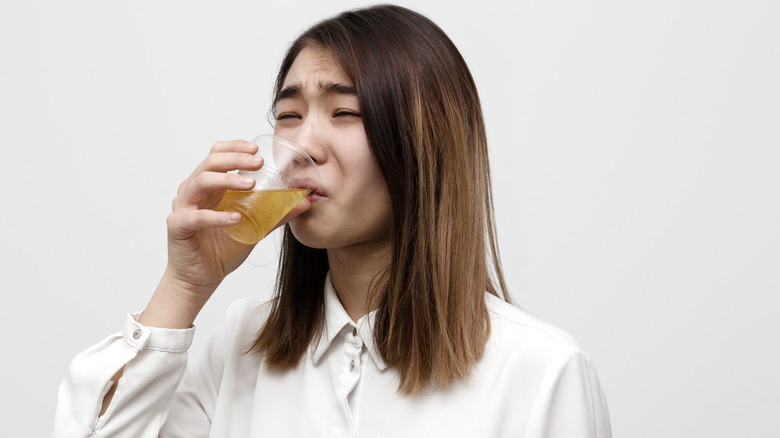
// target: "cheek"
[[364, 168], [374, 199], [368, 186]]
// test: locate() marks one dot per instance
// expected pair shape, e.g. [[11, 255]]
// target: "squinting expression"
[[318, 110]]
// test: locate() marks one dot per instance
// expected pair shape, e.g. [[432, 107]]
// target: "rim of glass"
[[288, 143]]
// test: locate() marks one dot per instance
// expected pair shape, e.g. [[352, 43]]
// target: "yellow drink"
[[261, 211]]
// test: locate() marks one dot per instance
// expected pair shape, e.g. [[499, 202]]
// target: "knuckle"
[[172, 220], [200, 219], [217, 146], [210, 160], [200, 180]]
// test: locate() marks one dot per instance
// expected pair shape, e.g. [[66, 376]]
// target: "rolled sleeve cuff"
[[141, 337]]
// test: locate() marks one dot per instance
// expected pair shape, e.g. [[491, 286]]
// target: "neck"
[[352, 270]]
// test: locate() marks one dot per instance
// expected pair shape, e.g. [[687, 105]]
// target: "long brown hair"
[[424, 125]]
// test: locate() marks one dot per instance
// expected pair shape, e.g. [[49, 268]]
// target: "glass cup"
[[287, 176]]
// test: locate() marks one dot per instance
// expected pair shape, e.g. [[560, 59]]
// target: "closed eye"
[[346, 114], [285, 116]]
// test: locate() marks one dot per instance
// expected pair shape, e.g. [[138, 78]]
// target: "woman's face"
[[318, 110]]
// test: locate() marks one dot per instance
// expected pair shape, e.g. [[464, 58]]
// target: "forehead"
[[314, 66]]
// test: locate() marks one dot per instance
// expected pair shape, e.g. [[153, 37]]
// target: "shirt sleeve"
[[154, 361], [193, 406], [570, 402]]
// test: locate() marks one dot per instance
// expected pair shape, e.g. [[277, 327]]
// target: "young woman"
[[390, 316]]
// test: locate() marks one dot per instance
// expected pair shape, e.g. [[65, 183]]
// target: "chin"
[[307, 234]]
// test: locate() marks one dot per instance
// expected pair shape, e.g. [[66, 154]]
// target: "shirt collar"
[[338, 324]]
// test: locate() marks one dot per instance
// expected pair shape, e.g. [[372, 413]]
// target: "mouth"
[[316, 191]]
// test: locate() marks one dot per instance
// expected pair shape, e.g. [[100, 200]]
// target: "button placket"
[[356, 347], [353, 354], [349, 377]]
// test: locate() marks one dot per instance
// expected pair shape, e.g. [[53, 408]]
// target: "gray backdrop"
[[635, 158]]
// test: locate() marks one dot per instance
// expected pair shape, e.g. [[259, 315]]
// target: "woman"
[[390, 316]]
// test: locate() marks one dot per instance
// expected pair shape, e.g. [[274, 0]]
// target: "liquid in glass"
[[261, 211]]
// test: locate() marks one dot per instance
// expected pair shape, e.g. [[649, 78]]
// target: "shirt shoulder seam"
[[562, 339]]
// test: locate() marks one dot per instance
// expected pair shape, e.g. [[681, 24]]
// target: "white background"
[[635, 149]]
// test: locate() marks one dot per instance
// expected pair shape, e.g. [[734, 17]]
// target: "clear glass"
[[287, 176]]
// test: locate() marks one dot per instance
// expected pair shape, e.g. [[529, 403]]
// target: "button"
[[354, 332], [352, 365], [137, 334]]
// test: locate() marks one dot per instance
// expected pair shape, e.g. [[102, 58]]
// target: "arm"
[[200, 255], [153, 361], [122, 386]]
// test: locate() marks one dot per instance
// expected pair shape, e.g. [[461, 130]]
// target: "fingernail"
[[255, 159], [246, 180]]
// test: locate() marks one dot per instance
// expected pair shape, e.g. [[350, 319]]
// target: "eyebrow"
[[324, 87]]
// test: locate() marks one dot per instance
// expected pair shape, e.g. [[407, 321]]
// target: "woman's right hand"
[[200, 254]]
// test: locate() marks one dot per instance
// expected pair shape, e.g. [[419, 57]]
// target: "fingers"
[[234, 146], [183, 224], [227, 161], [201, 192], [225, 156], [208, 187]]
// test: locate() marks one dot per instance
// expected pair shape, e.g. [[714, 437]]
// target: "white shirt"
[[532, 381]]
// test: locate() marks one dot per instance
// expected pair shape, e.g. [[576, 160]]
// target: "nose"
[[311, 140]]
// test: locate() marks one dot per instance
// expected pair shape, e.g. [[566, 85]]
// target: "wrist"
[[183, 284], [174, 304]]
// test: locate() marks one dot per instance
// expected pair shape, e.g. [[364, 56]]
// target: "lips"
[[317, 192]]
